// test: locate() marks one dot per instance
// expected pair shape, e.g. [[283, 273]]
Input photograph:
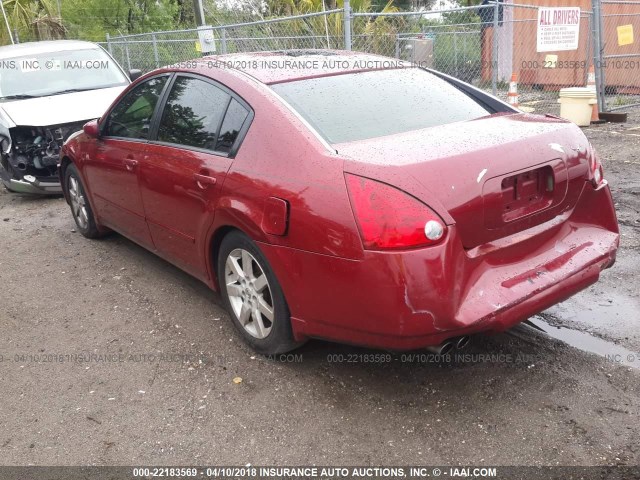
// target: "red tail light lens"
[[389, 218]]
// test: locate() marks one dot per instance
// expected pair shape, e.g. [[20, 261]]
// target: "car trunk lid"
[[493, 176]]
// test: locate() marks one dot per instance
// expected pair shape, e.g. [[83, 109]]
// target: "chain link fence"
[[483, 45], [152, 50], [620, 55], [541, 75]]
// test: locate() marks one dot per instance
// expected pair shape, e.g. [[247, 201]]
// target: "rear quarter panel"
[[281, 158]]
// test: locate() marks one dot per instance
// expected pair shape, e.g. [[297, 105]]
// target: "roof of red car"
[[285, 66]]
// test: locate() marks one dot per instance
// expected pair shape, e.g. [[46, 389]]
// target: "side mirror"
[[134, 73], [91, 129]]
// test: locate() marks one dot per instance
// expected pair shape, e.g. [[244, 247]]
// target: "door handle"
[[204, 181], [130, 163]]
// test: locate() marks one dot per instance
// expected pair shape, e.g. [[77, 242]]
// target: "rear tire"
[[79, 203], [253, 297]]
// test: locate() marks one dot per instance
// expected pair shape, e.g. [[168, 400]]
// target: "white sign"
[[206, 39], [558, 29]]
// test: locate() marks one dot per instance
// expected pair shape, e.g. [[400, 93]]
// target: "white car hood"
[[58, 109]]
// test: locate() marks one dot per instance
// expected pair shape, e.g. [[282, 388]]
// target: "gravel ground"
[[611, 308], [160, 357]]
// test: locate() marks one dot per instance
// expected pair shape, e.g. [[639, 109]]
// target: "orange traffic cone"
[[512, 97], [591, 83]]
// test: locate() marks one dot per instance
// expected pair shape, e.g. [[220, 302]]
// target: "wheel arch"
[[231, 214], [214, 250]]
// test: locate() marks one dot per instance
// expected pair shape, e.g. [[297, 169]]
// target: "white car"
[[48, 90]]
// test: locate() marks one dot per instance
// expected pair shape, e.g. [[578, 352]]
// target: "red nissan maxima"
[[346, 196]]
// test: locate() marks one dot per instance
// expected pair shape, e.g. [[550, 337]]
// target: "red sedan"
[[346, 196]]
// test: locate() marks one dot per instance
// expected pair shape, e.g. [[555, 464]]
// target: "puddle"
[[588, 343], [608, 310]]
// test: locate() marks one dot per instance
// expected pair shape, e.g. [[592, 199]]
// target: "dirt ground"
[[110, 356]]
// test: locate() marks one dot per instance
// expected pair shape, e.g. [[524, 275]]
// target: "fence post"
[[464, 49], [455, 53], [109, 47], [155, 50], [494, 50], [223, 41], [598, 48], [589, 47], [347, 25], [126, 51], [603, 60]]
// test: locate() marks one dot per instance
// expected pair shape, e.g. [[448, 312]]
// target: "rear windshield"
[[357, 106]]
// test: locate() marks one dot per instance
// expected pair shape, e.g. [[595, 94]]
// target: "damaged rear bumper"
[[413, 299]]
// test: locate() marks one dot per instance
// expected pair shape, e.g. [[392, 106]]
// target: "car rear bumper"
[[412, 299]]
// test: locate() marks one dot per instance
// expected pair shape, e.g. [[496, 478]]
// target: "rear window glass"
[[233, 121], [357, 106], [193, 113]]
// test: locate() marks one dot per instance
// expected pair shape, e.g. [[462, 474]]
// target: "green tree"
[[32, 20], [92, 19]]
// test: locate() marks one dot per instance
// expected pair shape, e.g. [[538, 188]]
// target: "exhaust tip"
[[462, 342], [442, 349], [446, 348]]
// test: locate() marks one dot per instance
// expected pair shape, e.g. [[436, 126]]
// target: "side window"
[[233, 121], [131, 118], [193, 113]]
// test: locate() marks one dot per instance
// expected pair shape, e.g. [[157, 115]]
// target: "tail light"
[[596, 172], [389, 218]]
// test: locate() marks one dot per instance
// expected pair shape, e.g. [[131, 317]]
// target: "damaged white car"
[[49, 90]]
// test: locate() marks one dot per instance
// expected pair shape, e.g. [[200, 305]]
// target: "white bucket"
[[576, 104]]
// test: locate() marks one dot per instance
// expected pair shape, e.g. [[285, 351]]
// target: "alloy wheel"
[[249, 293], [78, 203]]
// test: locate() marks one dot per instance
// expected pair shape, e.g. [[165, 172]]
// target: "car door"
[[112, 169], [185, 164]]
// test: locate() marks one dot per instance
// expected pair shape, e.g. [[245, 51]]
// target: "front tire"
[[253, 297], [80, 208]]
